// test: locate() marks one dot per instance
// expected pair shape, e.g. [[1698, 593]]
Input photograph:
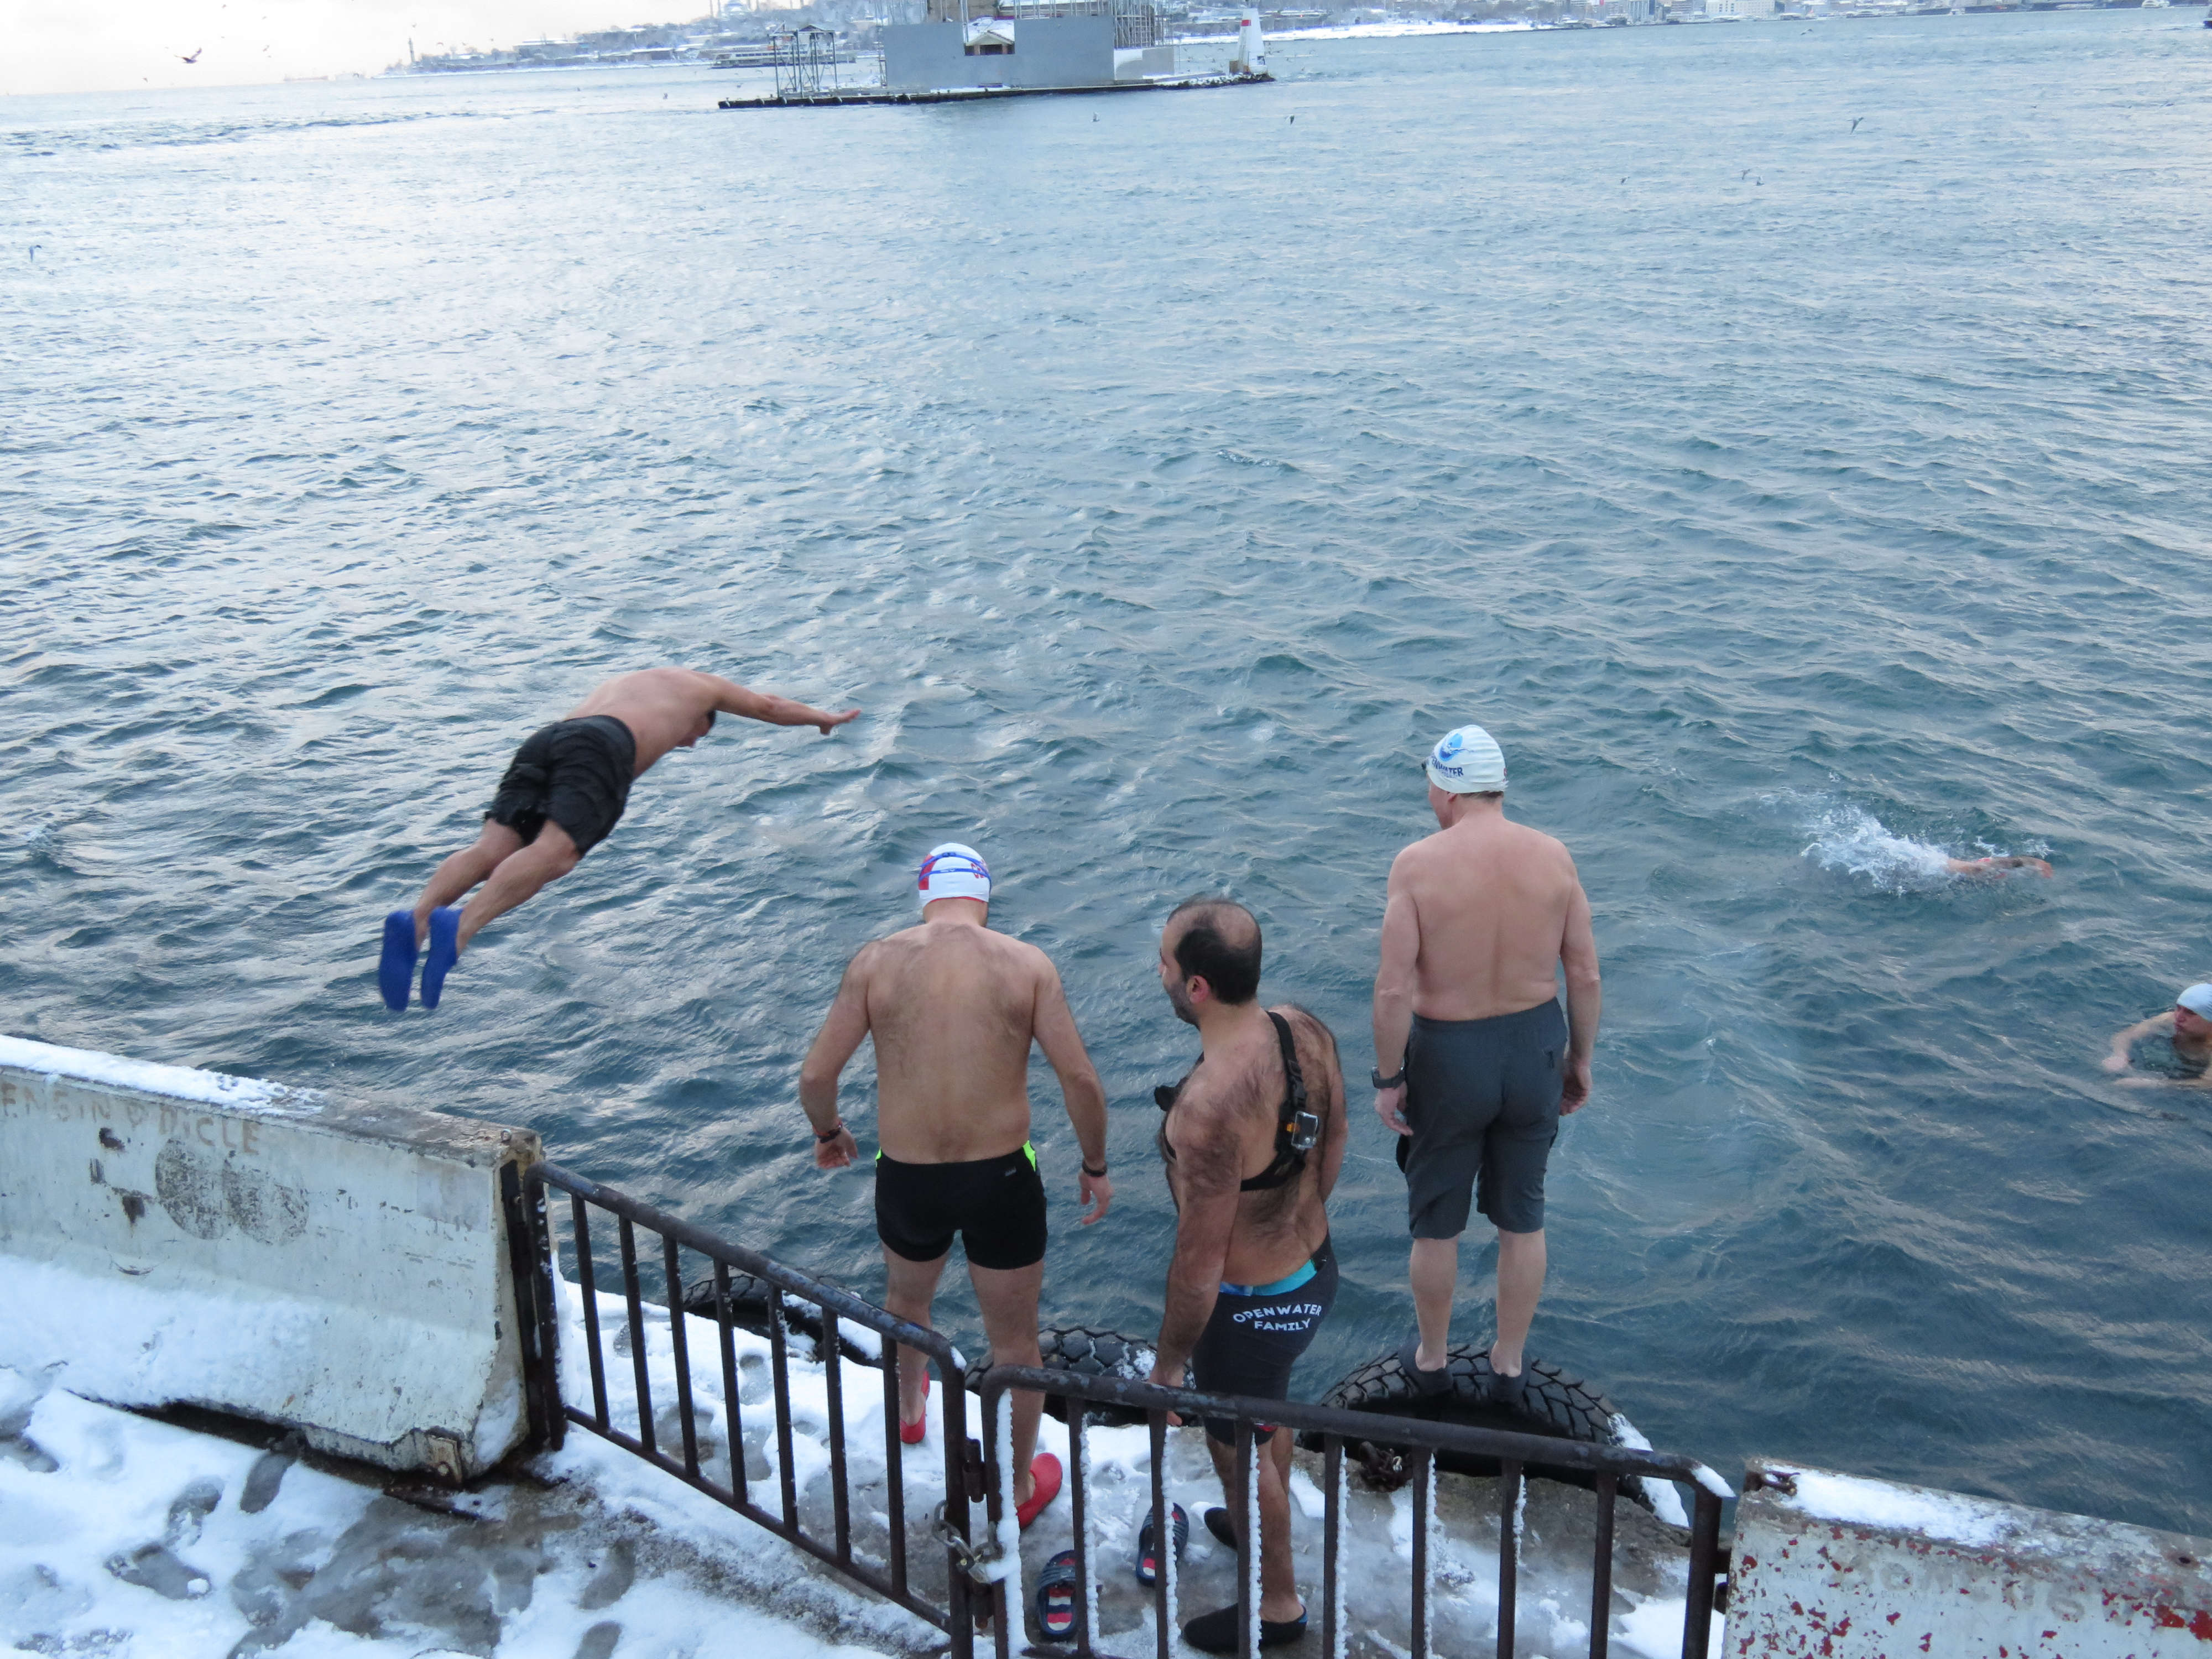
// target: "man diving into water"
[[2188, 1028], [1253, 1140], [953, 1007], [565, 788], [1480, 917]]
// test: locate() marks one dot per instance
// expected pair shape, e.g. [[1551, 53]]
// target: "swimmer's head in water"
[[1468, 762], [2197, 1001], [953, 871]]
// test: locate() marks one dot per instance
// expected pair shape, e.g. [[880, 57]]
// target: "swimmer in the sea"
[[565, 788], [1996, 866], [2187, 1026]]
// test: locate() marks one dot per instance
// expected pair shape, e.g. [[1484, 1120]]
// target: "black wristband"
[[1098, 1174], [830, 1134], [1375, 1076]]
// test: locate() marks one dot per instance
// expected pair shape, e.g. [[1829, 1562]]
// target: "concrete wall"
[[169, 1236], [1853, 1569], [1141, 63], [1049, 52]]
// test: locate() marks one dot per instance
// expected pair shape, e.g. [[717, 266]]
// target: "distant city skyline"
[[59, 47]]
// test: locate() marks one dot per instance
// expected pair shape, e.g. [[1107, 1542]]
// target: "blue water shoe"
[[395, 969], [445, 950]]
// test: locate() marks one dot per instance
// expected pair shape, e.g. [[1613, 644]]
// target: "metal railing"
[[977, 1577], [1336, 1428], [731, 1486]]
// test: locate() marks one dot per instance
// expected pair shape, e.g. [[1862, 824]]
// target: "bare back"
[[1494, 902], [1221, 1132], [952, 1011], [660, 705]]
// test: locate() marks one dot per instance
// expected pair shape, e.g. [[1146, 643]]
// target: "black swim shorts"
[[577, 772], [1483, 1098], [1256, 1334], [996, 1204]]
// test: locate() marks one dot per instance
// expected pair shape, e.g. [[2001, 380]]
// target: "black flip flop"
[[1429, 1382], [1217, 1632], [1056, 1591], [1148, 1558], [1218, 1523]]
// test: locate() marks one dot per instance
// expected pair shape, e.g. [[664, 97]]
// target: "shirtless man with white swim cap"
[[1474, 1061], [953, 1008]]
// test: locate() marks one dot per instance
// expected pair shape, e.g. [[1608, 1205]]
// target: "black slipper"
[[1217, 1632], [1218, 1523], [1148, 1557], [1056, 1598], [1508, 1391], [1435, 1381]]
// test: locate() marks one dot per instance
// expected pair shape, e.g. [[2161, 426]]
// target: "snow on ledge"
[[1970, 1522], [179, 1082]]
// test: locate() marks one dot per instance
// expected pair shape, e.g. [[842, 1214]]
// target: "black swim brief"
[[996, 1204], [1483, 1098], [1256, 1334], [577, 772]]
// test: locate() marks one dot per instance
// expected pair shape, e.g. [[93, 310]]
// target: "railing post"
[[1509, 1551], [1704, 1554], [1425, 1474], [1332, 1535], [1246, 1497], [529, 1256], [960, 1613], [1163, 1582], [1608, 1487]]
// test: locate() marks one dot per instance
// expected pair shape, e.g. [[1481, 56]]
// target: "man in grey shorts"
[[1474, 1062]]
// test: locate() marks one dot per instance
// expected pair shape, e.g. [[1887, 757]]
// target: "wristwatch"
[[1375, 1077], [831, 1132]]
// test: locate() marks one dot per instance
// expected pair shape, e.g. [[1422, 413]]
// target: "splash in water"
[[1851, 839]]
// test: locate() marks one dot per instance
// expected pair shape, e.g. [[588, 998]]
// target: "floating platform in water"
[[974, 94]]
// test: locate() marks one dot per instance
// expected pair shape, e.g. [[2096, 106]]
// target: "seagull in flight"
[[1856, 120], [194, 58]]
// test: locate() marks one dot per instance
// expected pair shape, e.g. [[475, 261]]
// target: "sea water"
[[1161, 474]]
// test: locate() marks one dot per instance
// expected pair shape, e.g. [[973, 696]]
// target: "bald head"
[[1217, 941]]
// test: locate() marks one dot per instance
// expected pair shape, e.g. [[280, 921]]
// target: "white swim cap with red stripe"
[[953, 871]]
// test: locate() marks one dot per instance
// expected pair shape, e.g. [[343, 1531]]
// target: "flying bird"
[[1856, 120], [195, 58], [1745, 174]]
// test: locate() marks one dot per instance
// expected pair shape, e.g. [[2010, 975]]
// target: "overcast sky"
[[87, 46]]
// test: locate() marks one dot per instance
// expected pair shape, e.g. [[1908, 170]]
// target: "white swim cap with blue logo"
[[953, 871], [1468, 762]]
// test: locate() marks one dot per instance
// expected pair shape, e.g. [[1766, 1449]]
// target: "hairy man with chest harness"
[[1252, 1139]]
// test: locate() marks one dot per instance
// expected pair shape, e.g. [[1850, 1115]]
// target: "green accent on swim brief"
[[1289, 1281]]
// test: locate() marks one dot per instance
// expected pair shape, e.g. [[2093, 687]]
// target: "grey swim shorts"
[[1483, 1098]]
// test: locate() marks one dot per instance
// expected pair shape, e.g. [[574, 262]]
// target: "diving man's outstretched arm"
[[731, 698]]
